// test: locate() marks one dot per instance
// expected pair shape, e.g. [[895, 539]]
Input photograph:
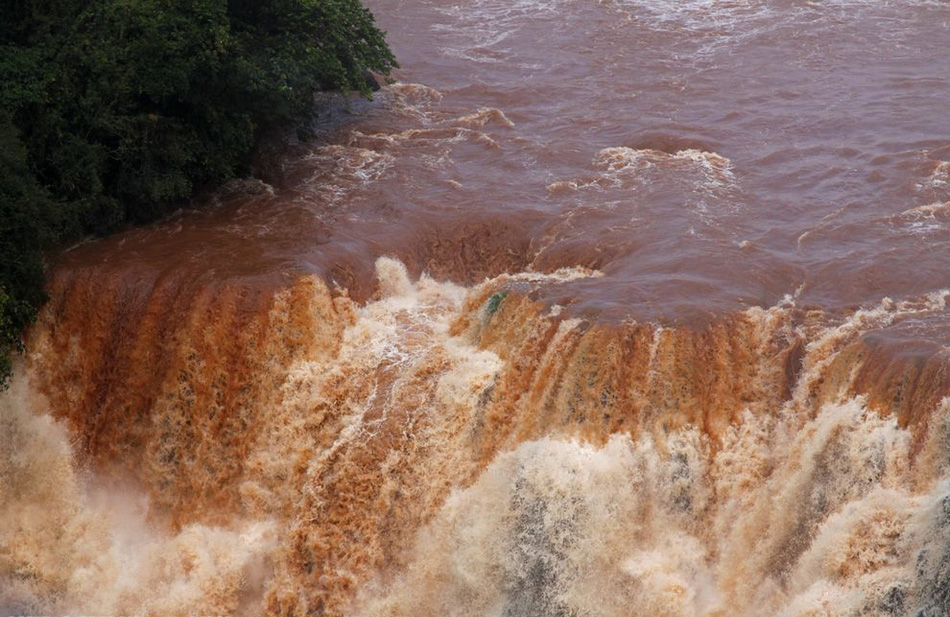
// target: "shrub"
[[114, 111]]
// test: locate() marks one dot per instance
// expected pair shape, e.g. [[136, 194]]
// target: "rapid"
[[600, 308]]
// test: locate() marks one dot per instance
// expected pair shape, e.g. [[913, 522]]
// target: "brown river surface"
[[706, 156], [599, 309]]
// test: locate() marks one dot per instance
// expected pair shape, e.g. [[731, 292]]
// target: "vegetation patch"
[[491, 307], [115, 111]]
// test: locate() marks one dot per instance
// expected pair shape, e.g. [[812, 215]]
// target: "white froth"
[[68, 546]]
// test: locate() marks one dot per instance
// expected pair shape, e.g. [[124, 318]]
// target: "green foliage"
[[494, 302], [27, 218], [114, 111]]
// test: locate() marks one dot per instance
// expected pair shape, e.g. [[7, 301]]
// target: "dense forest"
[[114, 111]]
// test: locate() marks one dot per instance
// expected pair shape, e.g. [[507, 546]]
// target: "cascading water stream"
[[472, 451], [659, 327]]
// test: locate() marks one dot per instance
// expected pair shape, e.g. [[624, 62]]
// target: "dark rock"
[[372, 81]]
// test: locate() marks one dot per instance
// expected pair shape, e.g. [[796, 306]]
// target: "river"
[[601, 307]]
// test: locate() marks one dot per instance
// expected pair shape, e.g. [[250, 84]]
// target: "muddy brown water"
[[706, 156], [600, 308]]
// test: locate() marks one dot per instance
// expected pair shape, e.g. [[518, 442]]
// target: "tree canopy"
[[114, 111]]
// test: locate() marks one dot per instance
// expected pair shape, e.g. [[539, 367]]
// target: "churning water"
[[604, 307]]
